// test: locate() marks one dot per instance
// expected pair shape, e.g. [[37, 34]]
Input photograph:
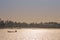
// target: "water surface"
[[30, 34]]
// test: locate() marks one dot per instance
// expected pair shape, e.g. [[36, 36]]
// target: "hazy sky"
[[30, 10]]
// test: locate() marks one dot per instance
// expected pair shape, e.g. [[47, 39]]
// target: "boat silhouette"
[[12, 31]]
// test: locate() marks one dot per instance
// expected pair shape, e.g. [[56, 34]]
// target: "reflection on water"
[[30, 34]]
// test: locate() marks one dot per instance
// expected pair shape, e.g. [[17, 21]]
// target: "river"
[[30, 34]]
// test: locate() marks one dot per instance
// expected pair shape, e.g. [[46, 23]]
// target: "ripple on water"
[[30, 34]]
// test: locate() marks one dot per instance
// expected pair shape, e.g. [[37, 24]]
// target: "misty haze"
[[29, 19]]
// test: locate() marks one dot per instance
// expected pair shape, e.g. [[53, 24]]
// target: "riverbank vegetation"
[[11, 24]]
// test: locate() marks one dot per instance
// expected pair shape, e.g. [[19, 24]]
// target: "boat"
[[12, 31]]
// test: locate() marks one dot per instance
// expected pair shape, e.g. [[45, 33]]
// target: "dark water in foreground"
[[30, 34]]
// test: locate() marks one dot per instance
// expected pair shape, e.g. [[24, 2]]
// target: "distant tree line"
[[11, 24]]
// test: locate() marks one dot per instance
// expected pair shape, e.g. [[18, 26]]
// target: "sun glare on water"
[[30, 34], [33, 34]]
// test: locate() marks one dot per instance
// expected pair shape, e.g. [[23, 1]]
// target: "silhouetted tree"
[[11, 24], [2, 25]]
